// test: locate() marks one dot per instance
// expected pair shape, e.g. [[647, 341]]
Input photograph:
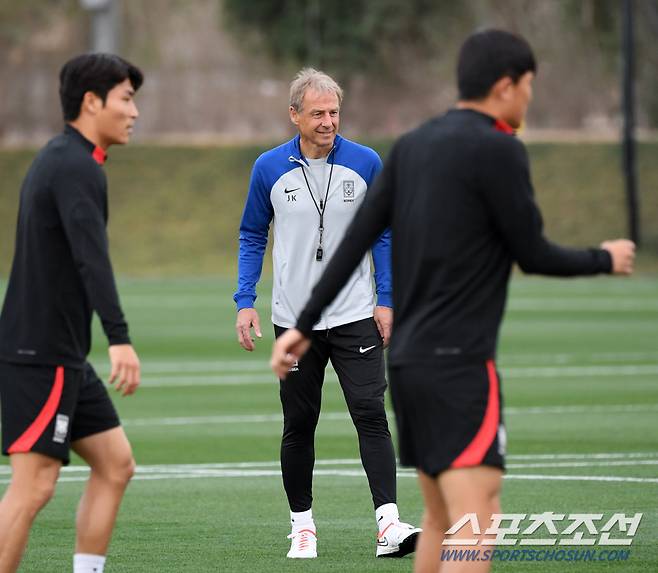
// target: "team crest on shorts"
[[61, 428], [348, 191]]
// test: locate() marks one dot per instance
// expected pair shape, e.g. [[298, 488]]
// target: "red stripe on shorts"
[[33, 433], [477, 449]]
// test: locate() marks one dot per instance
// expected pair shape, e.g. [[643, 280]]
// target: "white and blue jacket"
[[284, 188]]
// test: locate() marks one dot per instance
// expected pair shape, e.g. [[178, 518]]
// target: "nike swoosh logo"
[[363, 350], [290, 190], [383, 542]]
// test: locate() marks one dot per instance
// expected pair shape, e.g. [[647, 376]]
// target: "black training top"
[[61, 271], [457, 195]]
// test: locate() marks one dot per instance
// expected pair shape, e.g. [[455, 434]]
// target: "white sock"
[[386, 514], [87, 563], [302, 520]]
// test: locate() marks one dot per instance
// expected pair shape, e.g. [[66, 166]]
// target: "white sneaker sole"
[[301, 556], [408, 545]]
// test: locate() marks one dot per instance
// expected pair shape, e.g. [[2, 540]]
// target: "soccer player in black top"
[[52, 400], [458, 197]]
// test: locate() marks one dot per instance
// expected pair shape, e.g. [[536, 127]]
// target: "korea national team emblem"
[[348, 191], [61, 428]]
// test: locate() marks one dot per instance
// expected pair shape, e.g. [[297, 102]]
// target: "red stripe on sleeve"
[[477, 449], [33, 433]]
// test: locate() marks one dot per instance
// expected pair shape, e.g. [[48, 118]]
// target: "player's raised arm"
[[505, 174]]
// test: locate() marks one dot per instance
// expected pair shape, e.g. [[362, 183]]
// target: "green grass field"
[[579, 363]]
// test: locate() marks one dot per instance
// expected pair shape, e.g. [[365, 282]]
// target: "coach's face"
[[115, 119], [517, 98], [317, 122]]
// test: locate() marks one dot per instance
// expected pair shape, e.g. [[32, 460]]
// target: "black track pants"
[[356, 353]]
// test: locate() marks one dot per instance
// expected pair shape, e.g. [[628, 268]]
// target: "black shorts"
[[448, 416], [45, 408]]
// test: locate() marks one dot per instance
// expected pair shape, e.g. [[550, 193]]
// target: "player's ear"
[[294, 116], [502, 89], [91, 103]]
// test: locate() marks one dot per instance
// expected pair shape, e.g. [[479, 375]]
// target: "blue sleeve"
[[381, 256], [254, 227]]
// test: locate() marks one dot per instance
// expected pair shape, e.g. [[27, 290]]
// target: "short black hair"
[[489, 55], [97, 73]]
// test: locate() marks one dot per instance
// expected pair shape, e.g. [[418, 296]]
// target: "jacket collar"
[[498, 124], [98, 153], [297, 155]]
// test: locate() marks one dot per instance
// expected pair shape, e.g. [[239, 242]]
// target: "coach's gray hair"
[[313, 79]]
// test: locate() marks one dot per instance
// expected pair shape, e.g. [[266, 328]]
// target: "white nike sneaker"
[[304, 544], [397, 540]]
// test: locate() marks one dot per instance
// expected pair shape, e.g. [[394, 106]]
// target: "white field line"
[[271, 468], [152, 367], [538, 477], [580, 371], [562, 358], [627, 458], [594, 409], [192, 472], [559, 360], [597, 456], [222, 419], [607, 463], [540, 286], [598, 304], [544, 372], [344, 416], [205, 366], [277, 418], [547, 326], [197, 300]]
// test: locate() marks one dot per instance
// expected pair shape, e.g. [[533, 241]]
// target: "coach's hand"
[[622, 252], [247, 318], [287, 349], [384, 321], [125, 368]]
